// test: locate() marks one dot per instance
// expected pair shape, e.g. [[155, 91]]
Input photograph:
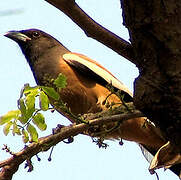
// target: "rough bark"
[[155, 34]]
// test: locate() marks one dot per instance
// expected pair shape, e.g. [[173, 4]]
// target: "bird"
[[86, 88]]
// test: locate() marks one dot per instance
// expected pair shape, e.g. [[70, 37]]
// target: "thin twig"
[[10, 166]]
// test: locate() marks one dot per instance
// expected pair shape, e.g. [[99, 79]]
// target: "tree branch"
[[11, 165], [93, 29]]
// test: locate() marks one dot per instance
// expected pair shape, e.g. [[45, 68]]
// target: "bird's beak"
[[17, 36]]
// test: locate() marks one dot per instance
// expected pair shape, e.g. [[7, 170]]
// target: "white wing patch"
[[98, 70]]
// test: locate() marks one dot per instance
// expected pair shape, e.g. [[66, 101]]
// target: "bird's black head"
[[33, 43]]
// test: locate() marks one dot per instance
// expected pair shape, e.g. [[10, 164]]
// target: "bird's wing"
[[92, 68]]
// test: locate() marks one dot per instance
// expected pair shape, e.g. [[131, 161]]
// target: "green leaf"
[[39, 121], [51, 92], [24, 119], [60, 82], [16, 130], [24, 115], [30, 90], [32, 132], [21, 106], [27, 104], [25, 136], [7, 127], [23, 89], [43, 101], [30, 103], [30, 98], [9, 116]]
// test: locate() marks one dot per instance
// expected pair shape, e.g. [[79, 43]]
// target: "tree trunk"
[[155, 34]]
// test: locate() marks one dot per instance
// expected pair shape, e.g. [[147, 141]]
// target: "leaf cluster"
[[29, 116]]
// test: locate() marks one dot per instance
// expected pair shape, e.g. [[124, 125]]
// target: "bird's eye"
[[36, 34]]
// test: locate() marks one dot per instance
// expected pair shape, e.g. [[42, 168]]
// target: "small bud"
[[121, 142], [49, 159]]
